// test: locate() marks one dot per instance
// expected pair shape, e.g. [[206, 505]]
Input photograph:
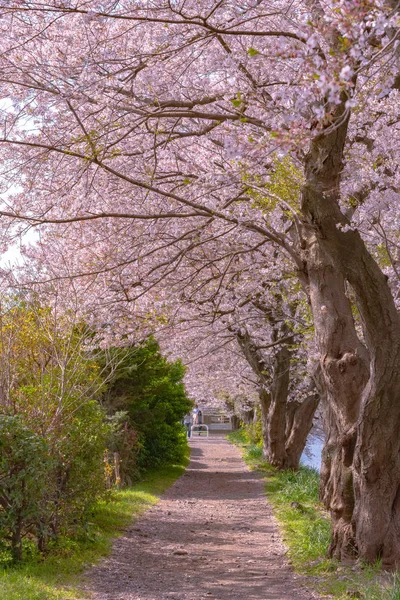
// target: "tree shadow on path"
[[211, 536]]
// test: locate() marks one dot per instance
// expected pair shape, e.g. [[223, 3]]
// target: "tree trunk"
[[42, 541], [372, 449], [299, 420], [362, 459], [276, 420], [345, 367], [247, 416], [285, 425], [235, 422], [16, 541], [265, 403]]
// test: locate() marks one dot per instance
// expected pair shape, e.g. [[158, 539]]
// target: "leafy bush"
[[78, 453], [150, 389], [25, 467], [238, 437], [254, 433], [123, 439], [53, 429]]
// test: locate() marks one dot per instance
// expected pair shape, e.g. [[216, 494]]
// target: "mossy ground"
[[305, 528], [58, 576]]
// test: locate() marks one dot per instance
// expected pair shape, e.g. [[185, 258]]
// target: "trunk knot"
[[348, 359]]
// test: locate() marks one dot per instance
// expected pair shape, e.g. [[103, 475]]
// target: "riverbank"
[[305, 528]]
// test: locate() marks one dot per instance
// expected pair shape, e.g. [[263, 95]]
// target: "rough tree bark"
[[235, 422], [275, 450], [265, 403], [247, 416], [285, 425], [299, 420], [362, 459], [16, 541]]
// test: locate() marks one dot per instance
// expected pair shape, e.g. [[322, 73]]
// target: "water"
[[311, 457]]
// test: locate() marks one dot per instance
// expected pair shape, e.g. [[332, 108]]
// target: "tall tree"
[[146, 133]]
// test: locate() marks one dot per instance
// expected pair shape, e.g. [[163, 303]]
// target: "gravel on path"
[[211, 536]]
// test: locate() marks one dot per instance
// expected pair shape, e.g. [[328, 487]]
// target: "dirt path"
[[211, 536]]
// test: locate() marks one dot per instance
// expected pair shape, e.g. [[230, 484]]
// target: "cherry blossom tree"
[[145, 133], [243, 333]]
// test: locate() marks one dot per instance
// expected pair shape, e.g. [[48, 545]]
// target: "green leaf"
[[252, 51], [237, 100]]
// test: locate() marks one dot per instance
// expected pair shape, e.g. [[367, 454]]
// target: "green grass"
[[305, 528], [59, 576], [238, 437]]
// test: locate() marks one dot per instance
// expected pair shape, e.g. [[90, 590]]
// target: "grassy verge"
[[305, 530], [59, 576]]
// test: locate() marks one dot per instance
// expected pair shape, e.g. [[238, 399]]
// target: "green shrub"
[[123, 440], [53, 428], [79, 479], [25, 468], [150, 390], [254, 433], [60, 575]]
